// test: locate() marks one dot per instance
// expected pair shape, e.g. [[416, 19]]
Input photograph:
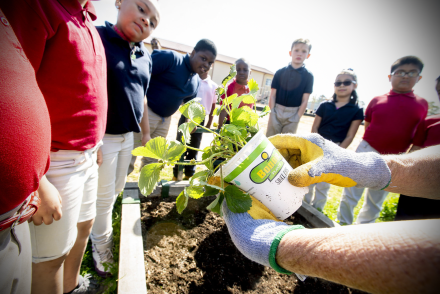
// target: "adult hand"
[[50, 208], [99, 157], [145, 139], [257, 233], [315, 160]]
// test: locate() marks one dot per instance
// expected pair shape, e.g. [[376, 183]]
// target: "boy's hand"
[[99, 157], [50, 208], [145, 139], [315, 160], [257, 233]]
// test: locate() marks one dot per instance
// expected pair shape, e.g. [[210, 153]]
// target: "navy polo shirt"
[[127, 81], [291, 84], [336, 122], [172, 81]]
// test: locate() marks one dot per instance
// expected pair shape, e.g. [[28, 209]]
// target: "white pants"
[[350, 197], [75, 175], [116, 152], [15, 258], [321, 192]]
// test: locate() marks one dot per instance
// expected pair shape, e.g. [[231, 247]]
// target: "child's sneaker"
[[99, 257], [87, 285]]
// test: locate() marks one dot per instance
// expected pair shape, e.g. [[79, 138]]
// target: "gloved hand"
[[257, 233], [315, 160]]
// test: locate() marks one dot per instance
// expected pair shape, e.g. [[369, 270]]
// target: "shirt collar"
[[290, 67], [73, 7], [348, 104], [111, 33], [409, 94], [187, 62]]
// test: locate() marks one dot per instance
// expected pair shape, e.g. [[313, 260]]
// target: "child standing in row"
[[237, 86], [128, 76], [291, 89], [338, 121], [390, 123]]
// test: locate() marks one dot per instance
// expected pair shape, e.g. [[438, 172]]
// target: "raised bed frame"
[[131, 277]]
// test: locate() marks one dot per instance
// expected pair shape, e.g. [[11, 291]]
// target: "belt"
[[27, 210]]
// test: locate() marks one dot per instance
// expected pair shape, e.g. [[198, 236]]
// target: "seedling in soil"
[[226, 143]]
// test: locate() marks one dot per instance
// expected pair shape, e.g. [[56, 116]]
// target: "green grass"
[[87, 267], [334, 199]]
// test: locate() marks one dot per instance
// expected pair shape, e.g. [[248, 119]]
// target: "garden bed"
[[193, 253]]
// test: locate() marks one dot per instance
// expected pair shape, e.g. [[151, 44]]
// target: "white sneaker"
[[100, 257]]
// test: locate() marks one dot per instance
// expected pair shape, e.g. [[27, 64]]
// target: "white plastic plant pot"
[[260, 170]]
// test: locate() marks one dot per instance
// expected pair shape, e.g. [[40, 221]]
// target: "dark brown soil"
[[193, 253]]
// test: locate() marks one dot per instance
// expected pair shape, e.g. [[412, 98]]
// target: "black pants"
[[196, 138], [413, 208]]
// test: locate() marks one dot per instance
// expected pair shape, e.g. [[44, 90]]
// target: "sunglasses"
[[345, 83]]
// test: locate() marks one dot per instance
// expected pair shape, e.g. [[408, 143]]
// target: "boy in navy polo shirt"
[[174, 79], [391, 121], [128, 76], [291, 88]]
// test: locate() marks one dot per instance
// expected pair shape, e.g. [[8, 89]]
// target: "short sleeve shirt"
[[394, 119], [24, 123], [428, 132], [336, 122], [127, 81], [207, 93], [172, 82], [291, 84], [236, 88], [66, 52]]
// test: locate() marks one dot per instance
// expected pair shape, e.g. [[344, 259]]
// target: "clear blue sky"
[[366, 35]]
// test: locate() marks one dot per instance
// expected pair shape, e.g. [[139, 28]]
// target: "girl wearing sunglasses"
[[338, 121]]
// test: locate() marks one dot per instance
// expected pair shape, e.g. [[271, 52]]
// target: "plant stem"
[[193, 148], [199, 162]]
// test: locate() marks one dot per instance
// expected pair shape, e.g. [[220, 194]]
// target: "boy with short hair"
[[174, 79], [390, 123], [291, 88], [239, 86]]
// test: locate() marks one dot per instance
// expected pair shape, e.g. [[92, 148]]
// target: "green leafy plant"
[[226, 143]]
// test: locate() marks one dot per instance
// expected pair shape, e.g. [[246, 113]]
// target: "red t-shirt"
[[393, 121], [24, 124], [65, 49], [236, 88], [428, 132]]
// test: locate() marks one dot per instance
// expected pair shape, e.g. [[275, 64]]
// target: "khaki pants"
[[283, 120], [159, 127]]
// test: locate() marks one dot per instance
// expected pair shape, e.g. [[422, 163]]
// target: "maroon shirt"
[[67, 54], [428, 132], [236, 88], [393, 121], [24, 123]]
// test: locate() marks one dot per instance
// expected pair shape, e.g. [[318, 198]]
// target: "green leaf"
[[181, 202], [231, 75], [207, 152], [211, 191], [199, 177], [253, 86], [265, 111], [237, 200], [248, 99], [216, 205], [195, 192], [230, 99], [244, 116], [174, 151], [186, 129], [184, 108], [216, 111], [196, 112], [155, 148], [236, 102], [232, 129], [220, 91], [149, 177]]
